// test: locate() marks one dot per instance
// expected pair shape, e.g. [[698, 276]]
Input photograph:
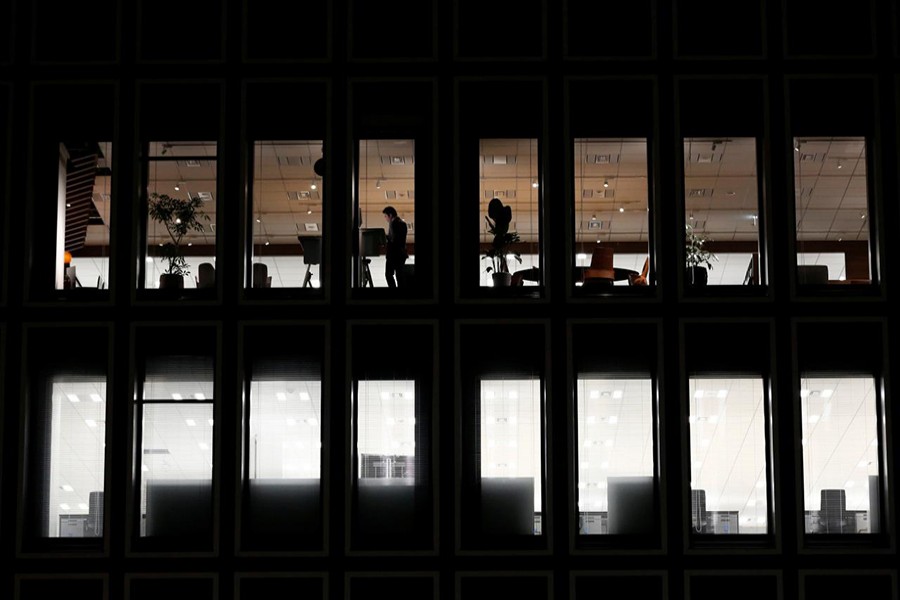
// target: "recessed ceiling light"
[[90, 423], [199, 396], [67, 488], [176, 396], [190, 422], [73, 398], [606, 183], [96, 398], [304, 396], [621, 209]]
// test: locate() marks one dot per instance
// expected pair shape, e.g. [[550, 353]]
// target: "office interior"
[[610, 422]]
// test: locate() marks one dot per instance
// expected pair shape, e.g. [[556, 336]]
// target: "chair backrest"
[[206, 275], [260, 274], [312, 249]]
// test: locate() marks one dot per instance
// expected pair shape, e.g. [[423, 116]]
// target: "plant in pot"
[[498, 220], [179, 216], [696, 257]]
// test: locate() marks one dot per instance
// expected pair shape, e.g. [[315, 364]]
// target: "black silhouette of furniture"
[[812, 274], [601, 271], [373, 240], [206, 275], [261, 277], [312, 255]]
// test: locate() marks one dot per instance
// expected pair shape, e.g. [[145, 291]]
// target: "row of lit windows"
[[612, 216], [729, 463]]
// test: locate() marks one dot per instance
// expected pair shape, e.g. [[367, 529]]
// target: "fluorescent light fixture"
[[67, 488], [190, 422], [304, 396], [512, 395], [827, 393], [73, 398], [65, 506], [581, 256], [312, 422], [591, 420], [281, 396], [199, 396], [96, 398], [698, 394], [722, 394], [203, 446], [594, 395], [804, 393], [617, 394], [149, 260], [90, 423], [813, 418], [176, 396], [613, 420]]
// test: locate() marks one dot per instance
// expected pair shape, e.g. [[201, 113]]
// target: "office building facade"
[[448, 299]]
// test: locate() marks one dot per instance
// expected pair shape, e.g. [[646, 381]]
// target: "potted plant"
[[498, 220], [697, 258], [178, 216]]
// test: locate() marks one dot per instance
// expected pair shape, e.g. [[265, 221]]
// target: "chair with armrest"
[[641, 279], [206, 275], [601, 271], [261, 277]]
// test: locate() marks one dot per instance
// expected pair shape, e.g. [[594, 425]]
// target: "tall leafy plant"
[[695, 254], [498, 220], [179, 216]]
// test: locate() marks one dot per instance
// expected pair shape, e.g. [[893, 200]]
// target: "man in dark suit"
[[395, 254]]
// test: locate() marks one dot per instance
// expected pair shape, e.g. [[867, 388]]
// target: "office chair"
[[312, 255]]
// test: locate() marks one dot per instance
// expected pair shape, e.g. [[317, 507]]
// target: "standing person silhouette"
[[395, 253]]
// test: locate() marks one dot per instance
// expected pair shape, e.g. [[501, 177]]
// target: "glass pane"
[[612, 229], [840, 455], [287, 214], [615, 456], [285, 430], [77, 459], [387, 180], [721, 201], [511, 473], [181, 223], [386, 430], [509, 212], [831, 197], [728, 456], [83, 219], [176, 469]]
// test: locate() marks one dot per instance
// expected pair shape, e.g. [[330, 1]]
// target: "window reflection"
[[286, 214], [722, 203], [832, 211], [611, 213]]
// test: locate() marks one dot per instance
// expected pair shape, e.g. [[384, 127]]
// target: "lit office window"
[[612, 225], [181, 197], [176, 450], [285, 430], [387, 460], [722, 212], [286, 214], [386, 178], [840, 455], [510, 456], [729, 493], [509, 212], [832, 210], [84, 205], [615, 456], [77, 424], [284, 460]]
